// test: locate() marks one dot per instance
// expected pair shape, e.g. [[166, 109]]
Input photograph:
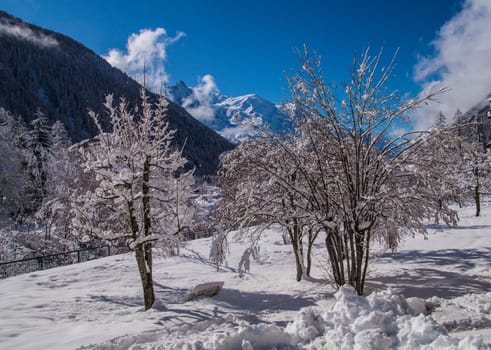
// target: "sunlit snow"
[[434, 293]]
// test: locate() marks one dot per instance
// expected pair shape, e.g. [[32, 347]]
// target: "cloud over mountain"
[[23, 32], [200, 104], [145, 51], [461, 62]]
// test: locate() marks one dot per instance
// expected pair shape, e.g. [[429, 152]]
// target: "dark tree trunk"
[[47, 232], [335, 258], [143, 251], [309, 260], [359, 262], [477, 194], [145, 261], [297, 250], [367, 256], [145, 197], [298, 265], [143, 254], [312, 237], [285, 239], [477, 199], [308, 269]]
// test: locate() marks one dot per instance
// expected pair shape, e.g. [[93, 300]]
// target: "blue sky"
[[248, 46]]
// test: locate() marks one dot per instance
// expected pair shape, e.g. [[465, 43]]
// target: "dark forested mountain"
[[43, 69], [476, 122]]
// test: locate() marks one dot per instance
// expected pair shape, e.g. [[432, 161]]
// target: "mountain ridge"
[[43, 69], [233, 117]]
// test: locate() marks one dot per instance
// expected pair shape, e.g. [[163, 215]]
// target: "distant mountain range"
[[47, 70], [233, 117]]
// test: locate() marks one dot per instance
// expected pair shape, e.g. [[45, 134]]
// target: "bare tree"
[[260, 188], [341, 169], [142, 190], [369, 182]]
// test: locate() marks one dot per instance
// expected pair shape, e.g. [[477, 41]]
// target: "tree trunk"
[[299, 265], [143, 254], [297, 250], [359, 239], [285, 239], [335, 259], [368, 236], [145, 197], [145, 260], [477, 199], [47, 232], [309, 262], [477, 194], [143, 251], [311, 239], [309, 257]]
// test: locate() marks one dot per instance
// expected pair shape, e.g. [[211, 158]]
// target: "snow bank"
[[250, 337], [229, 333], [383, 320], [465, 313]]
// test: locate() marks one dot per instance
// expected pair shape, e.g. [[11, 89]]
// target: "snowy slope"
[[232, 117], [445, 281]]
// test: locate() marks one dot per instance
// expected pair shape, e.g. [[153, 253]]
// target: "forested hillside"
[[43, 69]]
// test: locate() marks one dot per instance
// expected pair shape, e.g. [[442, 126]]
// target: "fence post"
[[40, 262], [108, 250], [78, 256]]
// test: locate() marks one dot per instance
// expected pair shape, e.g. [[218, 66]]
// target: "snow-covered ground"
[[434, 293]]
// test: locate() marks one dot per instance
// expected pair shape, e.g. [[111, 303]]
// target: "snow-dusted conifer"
[[13, 175], [436, 158], [38, 144], [62, 170], [473, 162]]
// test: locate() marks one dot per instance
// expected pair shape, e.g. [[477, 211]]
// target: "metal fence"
[[17, 267]]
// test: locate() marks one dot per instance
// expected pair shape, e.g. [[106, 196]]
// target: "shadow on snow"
[[455, 278]]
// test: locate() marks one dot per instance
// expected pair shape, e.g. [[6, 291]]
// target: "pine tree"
[[471, 157], [62, 172], [38, 144], [13, 175]]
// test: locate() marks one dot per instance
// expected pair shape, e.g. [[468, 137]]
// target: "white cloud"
[[237, 134], [25, 33], [462, 63], [145, 51], [200, 104]]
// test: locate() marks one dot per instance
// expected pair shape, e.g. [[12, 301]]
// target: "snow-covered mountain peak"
[[180, 91], [251, 103], [233, 117]]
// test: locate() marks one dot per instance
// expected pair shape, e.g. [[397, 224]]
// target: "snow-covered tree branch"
[[141, 195], [340, 169]]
